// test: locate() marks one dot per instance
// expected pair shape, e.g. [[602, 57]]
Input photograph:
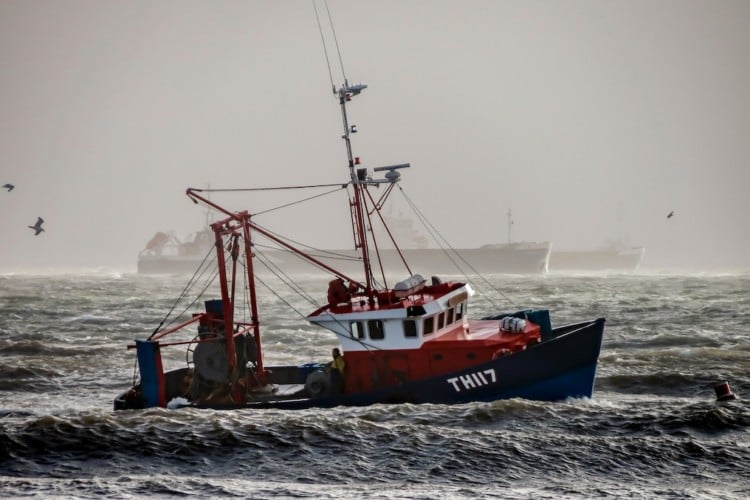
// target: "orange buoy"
[[723, 392]]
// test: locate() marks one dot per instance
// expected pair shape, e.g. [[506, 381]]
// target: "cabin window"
[[449, 320], [375, 327], [410, 328], [441, 320], [460, 310], [357, 330], [429, 325]]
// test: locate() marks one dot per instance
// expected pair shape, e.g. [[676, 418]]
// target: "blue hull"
[[562, 366]]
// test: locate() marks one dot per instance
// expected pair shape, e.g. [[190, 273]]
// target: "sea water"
[[652, 429]]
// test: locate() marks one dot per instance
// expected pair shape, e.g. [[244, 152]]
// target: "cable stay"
[[450, 252], [298, 289]]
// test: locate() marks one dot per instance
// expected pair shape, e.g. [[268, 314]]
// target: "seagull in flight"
[[9, 187], [38, 226], [670, 214]]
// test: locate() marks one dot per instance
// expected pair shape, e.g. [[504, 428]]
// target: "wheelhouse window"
[[449, 319], [357, 330], [441, 320], [410, 328], [429, 325], [460, 310], [375, 327]]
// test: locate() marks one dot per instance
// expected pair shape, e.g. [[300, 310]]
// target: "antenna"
[[333, 30], [358, 176], [323, 41], [325, 48]]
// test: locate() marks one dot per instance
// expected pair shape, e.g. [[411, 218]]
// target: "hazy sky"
[[590, 119]]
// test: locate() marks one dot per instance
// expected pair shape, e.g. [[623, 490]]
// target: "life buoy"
[[316, 384]]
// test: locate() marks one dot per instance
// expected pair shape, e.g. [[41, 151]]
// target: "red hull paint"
[[452, 351]]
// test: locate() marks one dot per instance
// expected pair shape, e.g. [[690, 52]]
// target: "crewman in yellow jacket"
[[337, 367]]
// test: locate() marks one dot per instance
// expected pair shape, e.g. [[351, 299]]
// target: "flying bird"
[[38, 226], [670, 214], [9, 187]]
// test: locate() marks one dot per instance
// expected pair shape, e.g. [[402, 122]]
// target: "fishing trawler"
[[410, 342]]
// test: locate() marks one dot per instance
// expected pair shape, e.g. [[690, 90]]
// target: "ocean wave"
[[10, 374], [652, 423], [32, 347], [668, 382], [90, 318], [464, 445]]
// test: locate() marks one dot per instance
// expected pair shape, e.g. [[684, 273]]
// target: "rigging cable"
[[292, 203], [338, 186], [275, 188], [284, 277], [333, 30], [328, 254], [286, 280], [325, 51], [191, 282], [433, 231], [211, 280]]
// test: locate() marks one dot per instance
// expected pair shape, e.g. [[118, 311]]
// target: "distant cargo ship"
[[512, 258], [515, 258], [614, 257], [165, 254]]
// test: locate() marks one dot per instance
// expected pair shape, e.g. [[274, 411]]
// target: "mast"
[[238, 225], [358, 178], [227, 301]]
